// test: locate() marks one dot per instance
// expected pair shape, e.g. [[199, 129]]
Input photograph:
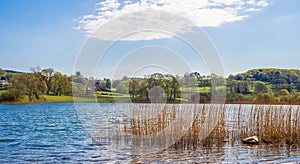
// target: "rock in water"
[[251, 140], [226, 140]]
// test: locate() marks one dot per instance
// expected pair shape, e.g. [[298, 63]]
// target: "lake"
[[55, 132]]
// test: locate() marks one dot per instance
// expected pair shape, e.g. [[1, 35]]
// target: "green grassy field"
[[112, 97], [67, 99], [100, 99], [195, 89]]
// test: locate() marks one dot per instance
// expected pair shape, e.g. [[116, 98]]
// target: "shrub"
[[7, 96]]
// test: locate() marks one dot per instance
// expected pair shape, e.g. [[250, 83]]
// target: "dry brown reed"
[[271, 123], [206, 127], [213, 125]]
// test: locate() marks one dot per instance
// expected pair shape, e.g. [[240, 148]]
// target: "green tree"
[[267, 97], [156, 79], [2, 73], [144, 92], [238, 97], [133, 88], [297, 84], [81, 80], [284, 92], [78, 73], [77, 89], [24, 84], [242, 87], [108, 84], [121, 88], [278, 83], [115, 83], [48, 74], [8, 96], [260, 87], [85, 83], [42, 86], [174, 87], [60, 84]]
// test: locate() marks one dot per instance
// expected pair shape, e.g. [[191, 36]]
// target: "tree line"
[[254, 86], [167, 87], [35, 84], [257, 86], [265, 86], [139, 89]]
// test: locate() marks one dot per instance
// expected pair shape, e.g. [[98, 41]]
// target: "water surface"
[[53, 132]]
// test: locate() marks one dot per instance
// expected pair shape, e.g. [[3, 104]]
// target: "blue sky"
[[45, 33]]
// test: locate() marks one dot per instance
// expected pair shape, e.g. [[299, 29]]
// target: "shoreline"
[[30, 102], [24, 102]]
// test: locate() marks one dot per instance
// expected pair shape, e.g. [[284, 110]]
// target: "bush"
[[276, 99], [7, 96], [264, 98], [122, 89], [284, 92]]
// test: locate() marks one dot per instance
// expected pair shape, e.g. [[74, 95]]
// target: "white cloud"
[[203, 13], [252, 9]]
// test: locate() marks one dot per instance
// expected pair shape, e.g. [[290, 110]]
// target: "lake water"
[[53, 132]]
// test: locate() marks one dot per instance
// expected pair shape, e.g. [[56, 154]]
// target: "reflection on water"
[[228, 154], [52, 132]]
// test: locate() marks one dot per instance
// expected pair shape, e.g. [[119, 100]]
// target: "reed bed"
[[193, 126], [271, 123]]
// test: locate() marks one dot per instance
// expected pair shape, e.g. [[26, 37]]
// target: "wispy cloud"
[[203, 13]]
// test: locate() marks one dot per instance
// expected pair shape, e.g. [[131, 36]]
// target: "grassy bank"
[[49, 98], [120, 99]]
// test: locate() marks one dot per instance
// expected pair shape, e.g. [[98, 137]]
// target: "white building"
[[3, 83]]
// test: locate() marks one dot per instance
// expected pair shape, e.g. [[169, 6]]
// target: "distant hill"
[[13, 72], [271, 75]]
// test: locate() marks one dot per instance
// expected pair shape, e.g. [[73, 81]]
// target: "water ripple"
[[52, 133]]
